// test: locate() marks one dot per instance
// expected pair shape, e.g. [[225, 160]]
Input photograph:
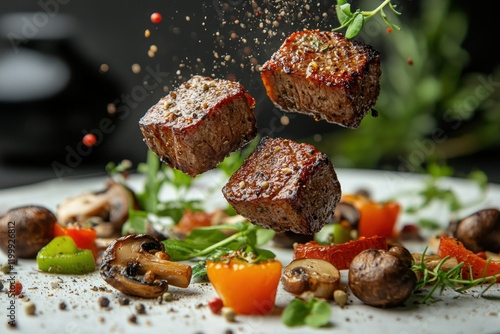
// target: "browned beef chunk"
[[324, 75], [285, 186], [196, 126]]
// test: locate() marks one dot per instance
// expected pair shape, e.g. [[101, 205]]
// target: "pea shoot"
[[354, 22]]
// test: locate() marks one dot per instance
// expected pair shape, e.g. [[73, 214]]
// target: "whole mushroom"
[[137, 265], [25, 230], [106, 211], [382, 278], [315, 275], [480, 231]]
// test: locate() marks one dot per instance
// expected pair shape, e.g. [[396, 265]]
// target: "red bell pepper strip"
[[479, 267], [84, 238], [340, 256], [376, 219]]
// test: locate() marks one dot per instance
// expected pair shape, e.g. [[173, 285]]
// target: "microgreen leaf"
[[355, 21], [341, 16], [355, 27], [314, 313]]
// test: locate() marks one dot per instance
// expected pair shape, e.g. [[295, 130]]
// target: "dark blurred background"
[[70, 67]]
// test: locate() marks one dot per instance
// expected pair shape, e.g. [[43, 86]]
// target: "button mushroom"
[[137, 265], [105, 211], [315, 275], [480, 231], [380, 278], [347, 212], [25, 230]]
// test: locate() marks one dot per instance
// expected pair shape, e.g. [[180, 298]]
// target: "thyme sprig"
[[354, 21], [452, 278]]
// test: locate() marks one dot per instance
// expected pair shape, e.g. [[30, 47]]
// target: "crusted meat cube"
[[200, 123], [285, 186], [324, 75]]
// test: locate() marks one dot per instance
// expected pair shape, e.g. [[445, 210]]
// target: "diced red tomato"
[[375, 218], [340, 256], [478, 266]]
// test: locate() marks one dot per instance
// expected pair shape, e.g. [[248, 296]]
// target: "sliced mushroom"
[[432, 261], [315, 275], [379, 278], [105, 211], [137, 265], [480, 231], [348, 212]]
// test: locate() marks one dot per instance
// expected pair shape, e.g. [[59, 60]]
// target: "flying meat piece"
[[285, 186], [324, 75], [200, 123]]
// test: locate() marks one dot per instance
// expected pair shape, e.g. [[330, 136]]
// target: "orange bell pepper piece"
[[375, 218], [84, 238], [454, 248], [341, 255], [248, 288]]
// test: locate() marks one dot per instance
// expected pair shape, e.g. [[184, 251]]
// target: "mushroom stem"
[[176, 274]]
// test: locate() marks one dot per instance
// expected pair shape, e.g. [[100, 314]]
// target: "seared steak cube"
[[196, 126], [324, 75], [285, 186]]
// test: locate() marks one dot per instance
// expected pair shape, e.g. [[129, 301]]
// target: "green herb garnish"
[[314, 313], [354, 21], [452, 278], [209, 243]]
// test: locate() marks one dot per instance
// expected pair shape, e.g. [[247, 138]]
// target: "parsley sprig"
[[355, 21], [452, 278], [210, 243]]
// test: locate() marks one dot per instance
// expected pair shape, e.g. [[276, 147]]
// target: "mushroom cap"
[[30, 228], [348, 212], [480, 231], [380, 279], [137, 265], [315, 275]]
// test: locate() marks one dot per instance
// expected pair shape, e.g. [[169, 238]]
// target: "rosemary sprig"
[[451, 278], [355, 21]]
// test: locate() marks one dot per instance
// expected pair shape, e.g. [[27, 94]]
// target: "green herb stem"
[[221, 243]]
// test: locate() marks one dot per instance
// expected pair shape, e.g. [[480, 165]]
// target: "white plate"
[[190, 314]]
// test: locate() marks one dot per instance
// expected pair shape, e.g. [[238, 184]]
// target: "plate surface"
[[189, 313]]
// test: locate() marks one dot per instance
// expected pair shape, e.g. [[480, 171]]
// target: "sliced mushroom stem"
[[432, 261], [176, 274], [317, 276], [137, 265]]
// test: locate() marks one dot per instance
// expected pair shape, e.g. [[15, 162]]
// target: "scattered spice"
[[62, 306], [340, 297], [228, 314], [123, 301], [30, 308], [167, 297], [89, 140], [103, 301], [5, 268], [156, 18], [147, 33], [140, 308], [132, 319]]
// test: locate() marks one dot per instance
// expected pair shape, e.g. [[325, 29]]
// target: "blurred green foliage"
[[428, 107]]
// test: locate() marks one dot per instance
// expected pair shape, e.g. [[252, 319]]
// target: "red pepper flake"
[[481, 255], [410, 61], [16, 288], [215, 305], [156, 18], [89, 140], [389, 30]]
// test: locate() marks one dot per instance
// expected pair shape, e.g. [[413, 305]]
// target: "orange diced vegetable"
[[375, 218], [340, 256], [478, 266], [248, 288]]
